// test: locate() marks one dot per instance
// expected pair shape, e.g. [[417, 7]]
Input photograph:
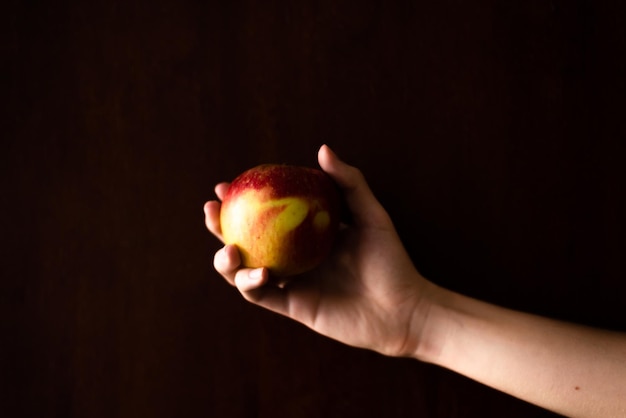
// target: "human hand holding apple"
[[368, 294], [365, 293]]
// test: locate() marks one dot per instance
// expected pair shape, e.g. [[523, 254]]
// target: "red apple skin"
[[281, 217]]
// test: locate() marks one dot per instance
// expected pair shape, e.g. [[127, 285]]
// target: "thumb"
[[363, 205]]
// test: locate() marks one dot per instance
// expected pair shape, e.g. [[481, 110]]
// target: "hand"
[[366, 294]]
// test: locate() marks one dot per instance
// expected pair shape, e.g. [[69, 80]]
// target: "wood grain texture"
[[493, 132]]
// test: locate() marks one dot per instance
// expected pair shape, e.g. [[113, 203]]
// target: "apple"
[[281, 217]]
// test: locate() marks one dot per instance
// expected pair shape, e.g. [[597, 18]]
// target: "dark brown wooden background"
[[492, 131]]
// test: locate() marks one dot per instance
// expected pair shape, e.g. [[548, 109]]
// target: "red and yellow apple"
[[282, 217]]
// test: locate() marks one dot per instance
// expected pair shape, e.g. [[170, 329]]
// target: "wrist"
[[435, 324]]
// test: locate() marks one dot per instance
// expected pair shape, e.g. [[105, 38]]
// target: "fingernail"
[[256, 274]]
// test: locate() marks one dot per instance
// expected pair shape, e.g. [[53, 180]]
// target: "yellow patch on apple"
[[250, 211]]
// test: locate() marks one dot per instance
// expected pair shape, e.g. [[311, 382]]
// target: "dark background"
[[493, 132]]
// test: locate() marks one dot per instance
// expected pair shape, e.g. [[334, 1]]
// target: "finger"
[[363, 204], [212, 218], [221, 189], [249, 280], [254, 287], [227, 262]]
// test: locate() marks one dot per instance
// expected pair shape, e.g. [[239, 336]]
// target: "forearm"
[[570, 369]]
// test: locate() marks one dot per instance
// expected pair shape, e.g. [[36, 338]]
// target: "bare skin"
[[368, 294]]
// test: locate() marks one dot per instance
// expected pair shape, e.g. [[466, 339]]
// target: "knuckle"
[[357, 174], [356, 177]]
